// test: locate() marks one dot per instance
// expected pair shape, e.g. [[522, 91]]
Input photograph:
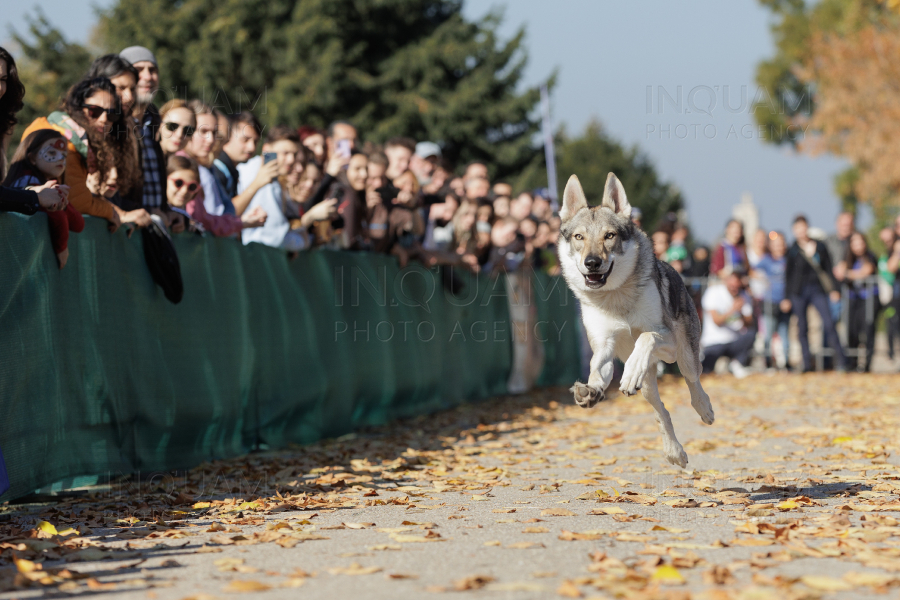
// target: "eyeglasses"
[[173, 127], [191, 187], [112, 114]]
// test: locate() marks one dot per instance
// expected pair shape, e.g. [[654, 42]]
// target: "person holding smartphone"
[[281, 148]]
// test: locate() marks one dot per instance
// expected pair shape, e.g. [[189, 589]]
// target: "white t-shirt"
[[718, 298]]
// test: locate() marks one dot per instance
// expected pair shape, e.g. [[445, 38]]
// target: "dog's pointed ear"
[[614, 197], [573, 199]]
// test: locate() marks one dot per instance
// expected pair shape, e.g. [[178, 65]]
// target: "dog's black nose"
[[593, 262]]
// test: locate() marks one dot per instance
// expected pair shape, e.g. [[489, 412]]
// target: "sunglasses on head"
[[95, 111], [191, 187], [173, 127]]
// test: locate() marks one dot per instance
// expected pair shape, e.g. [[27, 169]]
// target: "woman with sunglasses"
[[124, 78], [177, 128], [182, 186], [98, 140]]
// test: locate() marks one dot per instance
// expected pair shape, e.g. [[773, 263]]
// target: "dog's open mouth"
[[597, 280]]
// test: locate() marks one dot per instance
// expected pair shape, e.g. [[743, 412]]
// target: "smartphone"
[[343, 148], [269, 157]]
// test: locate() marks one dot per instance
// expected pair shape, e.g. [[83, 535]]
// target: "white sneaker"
[[737, 369]]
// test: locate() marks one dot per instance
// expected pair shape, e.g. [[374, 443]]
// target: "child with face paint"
[[41, 157]]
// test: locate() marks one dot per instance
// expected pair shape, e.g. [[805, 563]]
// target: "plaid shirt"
[[153, 187]]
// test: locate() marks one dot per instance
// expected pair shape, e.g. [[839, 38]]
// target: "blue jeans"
[[738, 350], [835, 310], [778, 322], [813, 294]]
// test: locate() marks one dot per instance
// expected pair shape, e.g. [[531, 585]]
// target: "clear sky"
[[610, 56]]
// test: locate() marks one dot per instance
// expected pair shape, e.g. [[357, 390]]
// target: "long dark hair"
[[118, 148], [867, 255], [22, 161], [11, 102]]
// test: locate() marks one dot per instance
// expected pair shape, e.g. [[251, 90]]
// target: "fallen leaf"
[[607, 510], [244, 585], [354, 569], [824, 583], [568, 589], [557, 512], [667, 575], [525, 545], [47, 528], [571, 536], [473, 582]]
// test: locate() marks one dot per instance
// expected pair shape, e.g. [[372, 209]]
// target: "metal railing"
[[696, 286]]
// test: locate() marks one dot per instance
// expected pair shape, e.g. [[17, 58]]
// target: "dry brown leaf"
[[557, 512], [473, 582], [354, 569], [535, 530], [571, 536], [239, 585], [567, 589]]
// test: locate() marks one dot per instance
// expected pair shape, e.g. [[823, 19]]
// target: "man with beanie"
[[147, 116]]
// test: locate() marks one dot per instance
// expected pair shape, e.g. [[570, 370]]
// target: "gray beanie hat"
[[136, 54]]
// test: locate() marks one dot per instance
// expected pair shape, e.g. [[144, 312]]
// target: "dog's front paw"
[[636, 369], [585, 395]]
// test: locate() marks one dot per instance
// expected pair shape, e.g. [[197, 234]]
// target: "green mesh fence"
[[100, 374]]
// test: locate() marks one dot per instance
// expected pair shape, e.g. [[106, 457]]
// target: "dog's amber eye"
[[610, 235], [578, 236]]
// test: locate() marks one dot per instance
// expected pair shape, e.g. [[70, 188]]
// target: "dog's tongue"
[[595, 277]]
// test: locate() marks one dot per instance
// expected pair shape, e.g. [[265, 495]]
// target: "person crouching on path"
[[727, 321]]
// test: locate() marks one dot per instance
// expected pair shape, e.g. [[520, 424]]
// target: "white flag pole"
[[549, 153]]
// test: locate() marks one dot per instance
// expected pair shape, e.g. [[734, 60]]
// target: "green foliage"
[[786, 99], [845, 187], [48, 66], [392, 67], [592, 156]]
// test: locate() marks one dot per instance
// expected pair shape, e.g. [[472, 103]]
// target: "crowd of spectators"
[[754, 290], [108, 152]]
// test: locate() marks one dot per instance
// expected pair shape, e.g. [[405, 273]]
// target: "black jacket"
[[20, 201], [799, 273]]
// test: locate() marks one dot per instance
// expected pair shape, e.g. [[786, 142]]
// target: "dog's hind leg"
[[689, 365], [675, 454]]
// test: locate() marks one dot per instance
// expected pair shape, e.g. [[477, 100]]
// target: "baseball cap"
[[136, 54], [426, 149]]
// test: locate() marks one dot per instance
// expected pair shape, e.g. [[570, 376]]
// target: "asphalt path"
[[792, 493]]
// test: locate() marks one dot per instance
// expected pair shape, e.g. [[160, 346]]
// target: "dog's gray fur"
[[634, 307]]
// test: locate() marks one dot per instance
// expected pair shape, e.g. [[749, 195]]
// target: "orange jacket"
[[76, 176]]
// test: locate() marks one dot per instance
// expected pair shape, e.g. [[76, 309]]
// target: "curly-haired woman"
[[100, 141]]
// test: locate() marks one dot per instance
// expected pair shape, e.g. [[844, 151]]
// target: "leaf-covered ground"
[[792, 493]]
